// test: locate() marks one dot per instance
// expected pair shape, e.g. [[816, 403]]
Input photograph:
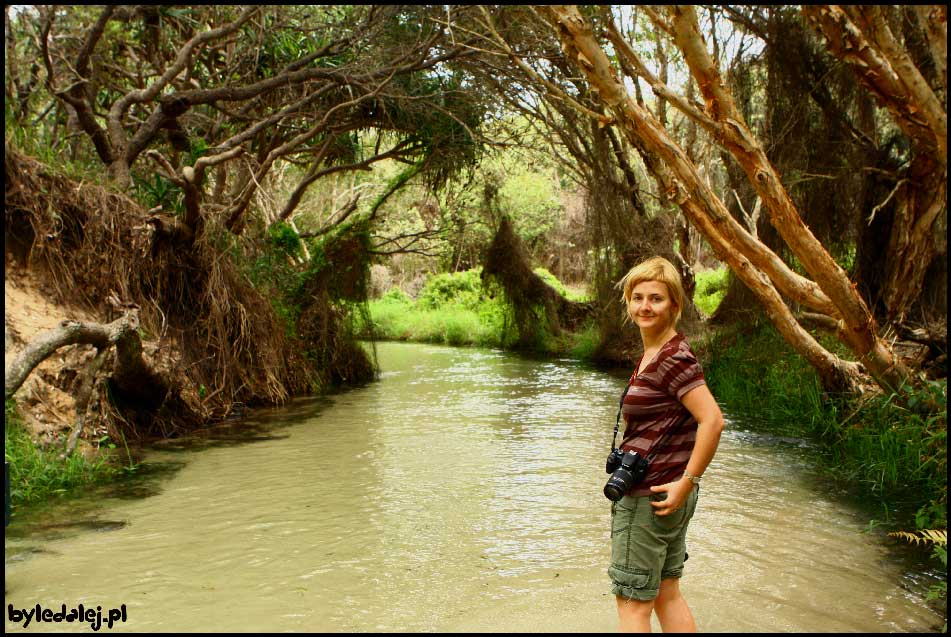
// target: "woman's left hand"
[[677, 493]]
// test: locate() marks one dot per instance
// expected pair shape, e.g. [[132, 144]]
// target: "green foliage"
[[452, 308], [38, 474], [530, 198], [710, 290], [754, 371], [458, 309], [552, 281], [561, 288], [462, 289], [886, 449], [39, 142], [586, 342], [159, 192], [274, 271], [397, 318], [895, 452], [284, 239]]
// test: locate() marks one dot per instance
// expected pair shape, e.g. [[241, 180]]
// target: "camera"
[[626, 469]]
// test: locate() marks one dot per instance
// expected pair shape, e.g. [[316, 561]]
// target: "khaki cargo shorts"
[[646, 547]]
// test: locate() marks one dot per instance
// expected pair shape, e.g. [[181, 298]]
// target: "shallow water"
[[461, 492]]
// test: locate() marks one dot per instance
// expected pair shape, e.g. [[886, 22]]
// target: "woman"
[[673, 420]]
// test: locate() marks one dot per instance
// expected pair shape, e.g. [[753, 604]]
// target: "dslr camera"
[[627, 469]]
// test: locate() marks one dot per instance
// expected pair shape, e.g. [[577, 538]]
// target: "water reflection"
[[460, 493]]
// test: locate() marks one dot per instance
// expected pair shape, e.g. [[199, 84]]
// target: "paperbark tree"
[[906, 72], [829, 292]]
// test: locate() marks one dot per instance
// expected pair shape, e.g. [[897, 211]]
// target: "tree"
[[899, 55], [199, 111], [831, 292], [625, 219], [217, 97]]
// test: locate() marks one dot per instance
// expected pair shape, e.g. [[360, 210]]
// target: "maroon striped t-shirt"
[[652, 407]]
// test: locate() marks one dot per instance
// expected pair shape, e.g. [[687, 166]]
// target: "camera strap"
[[657, 445]]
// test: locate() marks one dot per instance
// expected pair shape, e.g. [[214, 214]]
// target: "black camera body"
[[627, 469]]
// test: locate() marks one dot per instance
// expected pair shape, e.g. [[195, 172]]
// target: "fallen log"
[[122, 333]]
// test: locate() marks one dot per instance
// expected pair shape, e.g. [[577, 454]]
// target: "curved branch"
[[74, 96], [120, 106], [70, 332]]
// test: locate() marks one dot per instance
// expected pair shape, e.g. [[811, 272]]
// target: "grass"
[[39, 474], [890, 451], [452, 309], [396, 318]]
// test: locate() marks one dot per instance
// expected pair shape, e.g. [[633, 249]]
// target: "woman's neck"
[[654, 340]]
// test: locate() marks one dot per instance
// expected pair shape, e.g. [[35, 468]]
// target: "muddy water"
[[461, 492]]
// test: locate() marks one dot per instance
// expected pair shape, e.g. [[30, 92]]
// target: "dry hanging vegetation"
[[211, 115], [534, 302], [212, 340]]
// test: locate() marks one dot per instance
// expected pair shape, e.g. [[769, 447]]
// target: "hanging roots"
[[91, 243]]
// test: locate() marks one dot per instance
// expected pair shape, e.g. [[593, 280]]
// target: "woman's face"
[[651, 307]]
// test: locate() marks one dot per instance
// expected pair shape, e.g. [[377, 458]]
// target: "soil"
[[45, 407]]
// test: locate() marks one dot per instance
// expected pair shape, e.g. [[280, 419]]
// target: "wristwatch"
[[692, 478]]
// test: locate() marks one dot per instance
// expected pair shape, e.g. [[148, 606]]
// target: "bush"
[[710, 290], [453, 288]]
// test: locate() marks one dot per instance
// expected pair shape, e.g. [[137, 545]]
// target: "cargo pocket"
[[631, 583], [622, 519]]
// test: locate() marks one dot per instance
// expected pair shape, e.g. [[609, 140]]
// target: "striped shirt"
[[652, 407]]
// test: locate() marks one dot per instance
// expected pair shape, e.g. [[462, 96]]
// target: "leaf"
[[926, 536]]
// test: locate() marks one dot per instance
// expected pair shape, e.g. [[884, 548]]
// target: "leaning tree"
[[910, 100], [200, 112]]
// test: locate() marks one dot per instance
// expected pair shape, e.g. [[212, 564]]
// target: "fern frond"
[[927, 536]]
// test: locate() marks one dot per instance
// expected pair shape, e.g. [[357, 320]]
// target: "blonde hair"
[[655, 269]]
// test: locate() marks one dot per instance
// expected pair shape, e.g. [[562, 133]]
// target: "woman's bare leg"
[[672, 609], [634, 615]]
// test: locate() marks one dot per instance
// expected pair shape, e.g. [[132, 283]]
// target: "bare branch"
[[74, 95], [69, 332], [552, 89], [659, 88], [120, 106]]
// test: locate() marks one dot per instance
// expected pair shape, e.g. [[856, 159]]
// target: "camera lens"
[[617, 485]]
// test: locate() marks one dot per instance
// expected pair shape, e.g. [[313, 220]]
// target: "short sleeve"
[[680, 372]]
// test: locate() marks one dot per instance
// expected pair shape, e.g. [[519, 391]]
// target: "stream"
[[460, 493]]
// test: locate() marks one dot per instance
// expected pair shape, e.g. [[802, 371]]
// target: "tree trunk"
[[921, 201], [746, 257]]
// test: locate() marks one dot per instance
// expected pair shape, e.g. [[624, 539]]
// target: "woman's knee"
[[634, 606], [669, 590]]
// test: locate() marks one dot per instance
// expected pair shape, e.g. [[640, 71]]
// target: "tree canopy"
[[804, 146]]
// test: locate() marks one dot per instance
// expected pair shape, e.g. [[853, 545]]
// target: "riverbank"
[[882, 449], [332, 497], [877, 449], [889, 456], [37, 422]]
